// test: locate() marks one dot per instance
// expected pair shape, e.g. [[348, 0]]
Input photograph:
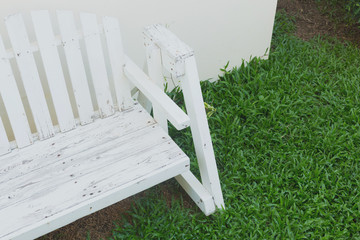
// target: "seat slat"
[[117, 61], [53, 69], [12, 101], [115, 158], [30, 76], [76, 66], [104, 152], [97, 63], [4, 142], [120, 124]]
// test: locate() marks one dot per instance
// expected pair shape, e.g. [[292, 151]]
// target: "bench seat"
[[61, 179]]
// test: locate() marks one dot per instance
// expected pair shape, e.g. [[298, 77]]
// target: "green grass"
[[286, 134]]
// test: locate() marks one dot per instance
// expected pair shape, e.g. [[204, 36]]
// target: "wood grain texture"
[[29, 74], [4, 142], [97, 63], [117, 61], [12, 101], [50, 56], [155, 71], [197, 192], [70, 42], [200, 131], [110, 155], [173, 50]]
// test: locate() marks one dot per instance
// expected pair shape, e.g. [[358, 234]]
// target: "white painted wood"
[[95, 204], [70, 42], [113, 166], [121, 123], [4, 142], [178, 58], [117, 61], [197, 192], [97, 63], [156, 95], [29, 75], [59, 180], [142, 99], [155, 71], [12, 101], [200, 131], [53, 69], [173, 50]]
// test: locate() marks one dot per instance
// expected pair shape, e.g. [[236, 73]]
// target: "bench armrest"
[[156, 95], [174, 52]]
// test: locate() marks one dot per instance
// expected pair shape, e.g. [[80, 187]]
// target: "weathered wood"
[[59, 180], [75, 174], [70, 42], [200, 131], [4, 142], [155, 71], [29, 74], [97, 64], [12, 101], [178, 58], [121, 123], [117, 61], [53, 69], [173, 50], [197, 192], [156, 95]]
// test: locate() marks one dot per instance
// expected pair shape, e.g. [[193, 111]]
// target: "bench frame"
[[164, 51]]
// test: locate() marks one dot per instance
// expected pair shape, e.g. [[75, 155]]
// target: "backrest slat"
[[75, 65], [30, 76], [53, 69], [4, 142], [117, 61], [97, 63], [12, 101]]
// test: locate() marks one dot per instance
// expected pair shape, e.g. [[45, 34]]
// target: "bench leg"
[[194, 102], [197, 192]]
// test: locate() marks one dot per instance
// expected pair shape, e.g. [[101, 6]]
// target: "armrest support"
[[156, 95], [173, 50]]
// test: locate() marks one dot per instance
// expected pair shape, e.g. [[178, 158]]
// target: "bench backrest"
[[87, 93]]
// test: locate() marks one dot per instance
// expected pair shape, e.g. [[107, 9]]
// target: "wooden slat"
[[117, 61], [4, 142], [194, 102], [91, 167], [155, 70], [156, 95], [53, 69], [197, 192], [12, 101], [29, 74], [121, 123], [75, 65], [97, 64]]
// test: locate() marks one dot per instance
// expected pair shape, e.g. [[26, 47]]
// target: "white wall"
[[218, 30]]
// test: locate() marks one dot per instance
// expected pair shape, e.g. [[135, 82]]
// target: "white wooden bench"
[[72, 138]]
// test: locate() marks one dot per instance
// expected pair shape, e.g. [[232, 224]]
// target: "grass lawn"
[[286, 134]]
